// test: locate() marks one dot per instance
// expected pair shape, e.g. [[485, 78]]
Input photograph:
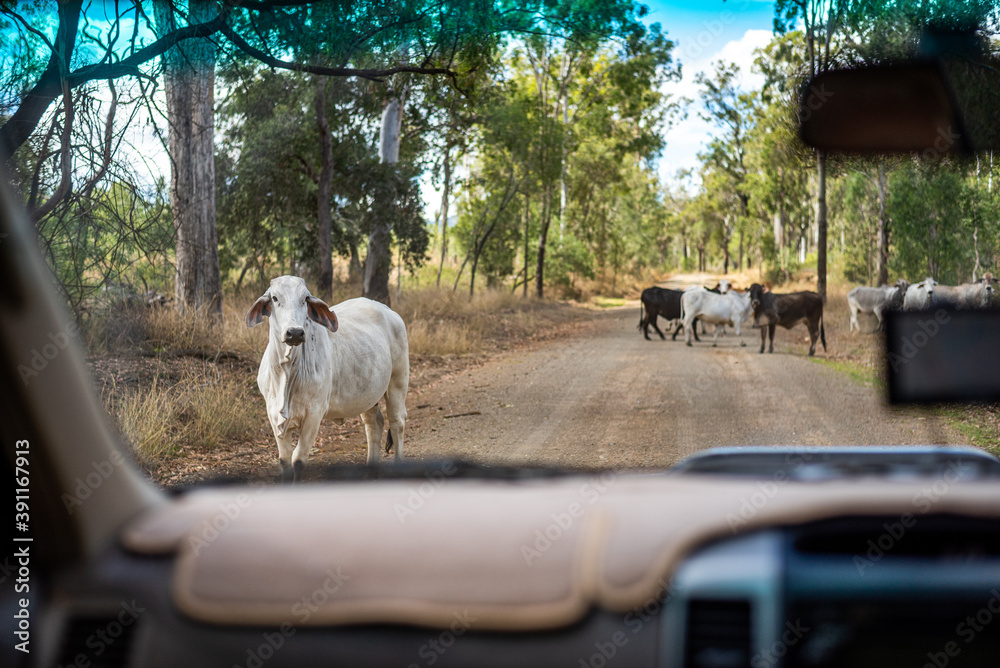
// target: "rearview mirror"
[[937, 107], [882, 110]]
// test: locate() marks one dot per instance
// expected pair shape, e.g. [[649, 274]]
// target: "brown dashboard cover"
[[484, 554]]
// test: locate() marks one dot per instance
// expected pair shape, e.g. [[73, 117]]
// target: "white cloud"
[[686, 138]]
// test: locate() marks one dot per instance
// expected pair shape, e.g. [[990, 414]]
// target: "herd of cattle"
[[925, 294], [723, 306]]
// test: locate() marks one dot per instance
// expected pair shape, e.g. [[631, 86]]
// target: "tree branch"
[[66, 162], [19, 127], [378, 75]]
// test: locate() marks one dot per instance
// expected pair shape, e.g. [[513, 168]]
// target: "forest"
[[194, 148]]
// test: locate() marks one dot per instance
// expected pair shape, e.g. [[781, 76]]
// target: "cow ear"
[[257, 312], [320, 313]]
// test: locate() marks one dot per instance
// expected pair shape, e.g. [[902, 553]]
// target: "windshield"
[[590, 234]]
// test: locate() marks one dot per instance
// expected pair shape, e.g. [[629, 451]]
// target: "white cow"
[[875, 300], [731, 308], [967, 295], [721, 288], [329, 362], [919, 295]]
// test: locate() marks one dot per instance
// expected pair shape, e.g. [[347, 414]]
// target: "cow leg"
[[644, 326], [715, 339], [694, 326], [286, 446], [680, 326], [739, 333], [813, 335], [854, 319], [653, 321], [373, 432], [770, 338], [307, 438], [763, 338], [688, 329], [395, 412]]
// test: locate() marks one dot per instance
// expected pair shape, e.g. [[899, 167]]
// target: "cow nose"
[[294, 336]]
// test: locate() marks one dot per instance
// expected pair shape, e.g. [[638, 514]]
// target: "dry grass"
[[199, 412], [169, 329], [440, 322], [441, 338]]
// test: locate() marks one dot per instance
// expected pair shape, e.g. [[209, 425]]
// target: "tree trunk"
[[883, 230], [376, 284], [354, 268], [472, 275], [726, 237], [444, 209], [564, 103], [527, 222], [189, 83], [821, 224], [739, 263], [323, 218], [543, 236]]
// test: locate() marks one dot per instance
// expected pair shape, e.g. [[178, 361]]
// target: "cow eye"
[[274, 299]]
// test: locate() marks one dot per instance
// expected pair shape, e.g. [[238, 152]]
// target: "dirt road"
[[607, 397]]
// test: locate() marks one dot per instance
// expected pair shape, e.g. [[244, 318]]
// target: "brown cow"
[[787, 310]]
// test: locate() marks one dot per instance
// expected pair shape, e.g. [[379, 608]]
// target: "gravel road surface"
[[606, 397]]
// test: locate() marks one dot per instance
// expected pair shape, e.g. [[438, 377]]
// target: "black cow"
[[787, 310], [662, 302], [665, 303]]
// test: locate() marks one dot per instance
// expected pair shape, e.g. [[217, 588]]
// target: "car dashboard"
[[686, 568]]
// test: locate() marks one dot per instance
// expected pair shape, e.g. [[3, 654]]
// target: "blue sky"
[[706, 31]]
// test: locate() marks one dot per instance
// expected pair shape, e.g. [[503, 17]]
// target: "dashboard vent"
[[104, 642], [717, 634]]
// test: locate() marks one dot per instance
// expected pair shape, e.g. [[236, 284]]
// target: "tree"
[[272, 161], [379, 259], [822, 20], [189, 83], [732, 110], [777, 161]]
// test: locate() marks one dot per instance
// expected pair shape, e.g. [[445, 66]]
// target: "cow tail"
[[822, 332], [641, 315]]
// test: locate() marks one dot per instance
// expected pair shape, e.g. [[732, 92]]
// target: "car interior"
[[790, 556]]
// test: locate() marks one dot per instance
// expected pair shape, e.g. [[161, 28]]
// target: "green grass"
[[608, 302], [865, 376], [980, 425]]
